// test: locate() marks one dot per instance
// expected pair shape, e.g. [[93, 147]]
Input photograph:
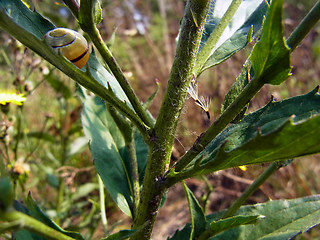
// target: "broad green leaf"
[[270, 57], [106, 144], [29, 27], [238, 33], [198, 220], [279, 131], [110, 154], [214, 227], [29, 20], [284, 219]]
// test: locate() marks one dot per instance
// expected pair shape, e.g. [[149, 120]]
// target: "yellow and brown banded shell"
[[70, 43]]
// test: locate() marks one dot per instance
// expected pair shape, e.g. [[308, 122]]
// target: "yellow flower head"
[[243, 168], [6, 98]]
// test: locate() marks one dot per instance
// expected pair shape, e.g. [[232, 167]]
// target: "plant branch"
[[215, 36], [33, 225], [73, 6], [87, 23], [253, 187], [163, 135], [304, 27], [85, 79]]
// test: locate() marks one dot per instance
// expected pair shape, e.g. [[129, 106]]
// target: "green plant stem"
[[64, 139], [215, 36], [163, 135], [104, 219], [3, 171], [19, 122], [33, 225], [209, 191], [82, 78], [304, 27], [87, 23], [73, 6], [253, 187], [135, 176]]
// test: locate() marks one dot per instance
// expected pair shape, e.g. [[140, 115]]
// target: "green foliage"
[[283, 219], [6, 196], [131, 150], [31, 208], [198, 220], [110, 154], [270, 57], [233, 39], [279, 131]]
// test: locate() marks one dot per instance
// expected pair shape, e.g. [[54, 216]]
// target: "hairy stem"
[[163, 135]]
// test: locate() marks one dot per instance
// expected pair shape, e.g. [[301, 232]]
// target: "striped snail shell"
[[70, 43]]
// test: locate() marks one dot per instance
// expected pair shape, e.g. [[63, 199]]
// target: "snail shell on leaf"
[[70, 43]]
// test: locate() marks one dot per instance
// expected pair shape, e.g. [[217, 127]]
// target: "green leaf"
[[246, 22], [111, 157], [7, 195], [270, 57], [29, 20], [241, 81], [182, 234], [198, 220], [284, 219], [36, 212], [106, 145], [232, 222], [121, 235], [279, 131], [33, 210]]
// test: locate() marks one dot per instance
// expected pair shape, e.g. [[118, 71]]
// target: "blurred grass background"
[[52, 160]]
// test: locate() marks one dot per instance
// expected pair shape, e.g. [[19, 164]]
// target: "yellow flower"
[[243, 168], [6, 98]]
